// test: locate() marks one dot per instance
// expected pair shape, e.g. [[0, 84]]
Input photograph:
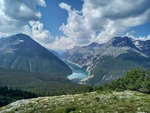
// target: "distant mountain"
[[111, 60], [143, 46], [23, 53], [54, 52], [93, 44]]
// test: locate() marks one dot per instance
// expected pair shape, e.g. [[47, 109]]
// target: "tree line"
[[136, 79], [8, 95]]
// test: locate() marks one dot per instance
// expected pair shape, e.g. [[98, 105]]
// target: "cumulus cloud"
[[15, 14], [22, 10], [61, 43], [102, 20], [38, 33], [113, 18], [75, 31], [98, 20], [110, 30], [21, 16]]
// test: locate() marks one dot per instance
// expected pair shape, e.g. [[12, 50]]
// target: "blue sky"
[[141, 30], [63, 24], [53, 16]]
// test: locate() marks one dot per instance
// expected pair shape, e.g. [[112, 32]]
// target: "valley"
[[111, 60], [88, 76]]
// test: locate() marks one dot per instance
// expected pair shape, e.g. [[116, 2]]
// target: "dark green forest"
[[137, 79], [40, 84], [8, 95], [20, 84]]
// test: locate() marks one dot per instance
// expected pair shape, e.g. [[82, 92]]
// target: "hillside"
[[40, 84], [109, 61], [23, 53], [94, 102]]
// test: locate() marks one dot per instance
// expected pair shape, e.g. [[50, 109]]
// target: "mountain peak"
[[93, 44], [21, 36], [15, 40], [121, 42], [123, 38], [23, 53]]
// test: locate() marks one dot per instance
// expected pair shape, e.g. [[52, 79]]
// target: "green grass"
[[94, 102]]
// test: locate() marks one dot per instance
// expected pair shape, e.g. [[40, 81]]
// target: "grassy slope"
[[94, 102]]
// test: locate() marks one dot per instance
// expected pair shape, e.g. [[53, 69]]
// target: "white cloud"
[[61, 43], [23, 10], [102, 20], [15, 14], [110, 30], [113, 18], [97, 21], [131, 35], [75, 31], [142, 38], [65, 6], [36, 31], [21, 16]]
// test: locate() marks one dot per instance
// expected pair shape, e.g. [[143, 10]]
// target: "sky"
[[63, 24]]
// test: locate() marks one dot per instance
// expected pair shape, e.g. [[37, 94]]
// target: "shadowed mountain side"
[[23, 53]]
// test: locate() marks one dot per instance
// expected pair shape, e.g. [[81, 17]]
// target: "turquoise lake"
[[78, 73]]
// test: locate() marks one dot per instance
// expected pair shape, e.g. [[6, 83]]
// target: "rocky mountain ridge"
[[110, 60]]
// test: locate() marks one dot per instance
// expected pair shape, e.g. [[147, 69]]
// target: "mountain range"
[[26, 65], [104, 62], [21, 52], [111, 60]]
